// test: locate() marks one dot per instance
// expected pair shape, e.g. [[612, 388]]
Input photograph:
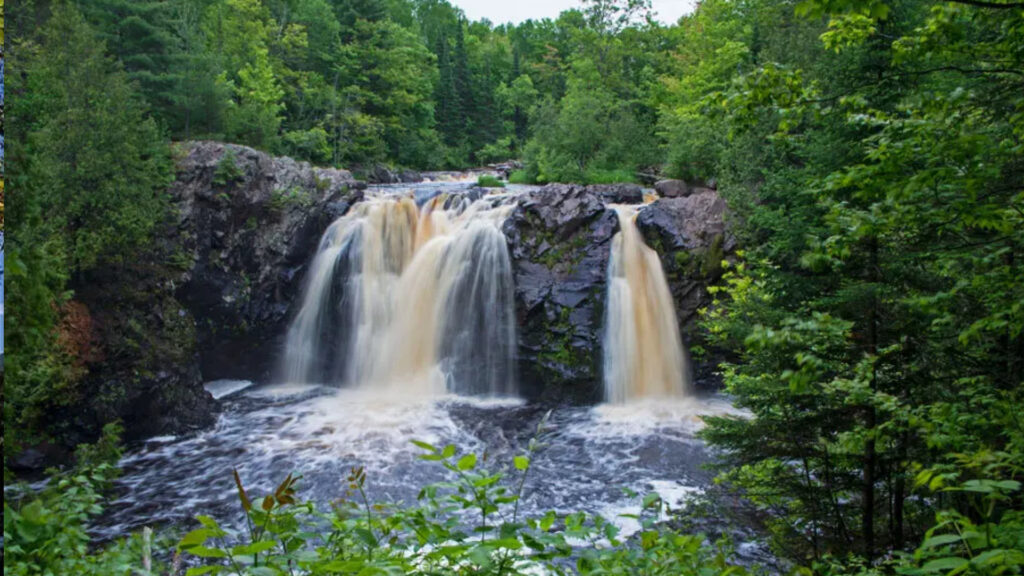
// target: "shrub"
[[227, 170], [520, 177], [46, 532], [488, 181], [284, 198]]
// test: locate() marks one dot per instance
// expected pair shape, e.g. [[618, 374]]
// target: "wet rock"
[[248, 225], [619, 193], [671, 188], [409, 176], [559, 239], [506, 168], [381, 174], [29, 460]]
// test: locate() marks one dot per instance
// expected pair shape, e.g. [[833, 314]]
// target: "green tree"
[[878, 329], [89, 188]]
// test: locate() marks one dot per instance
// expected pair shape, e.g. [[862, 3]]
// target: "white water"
[[643, 350], [413, 299], [587, 456]]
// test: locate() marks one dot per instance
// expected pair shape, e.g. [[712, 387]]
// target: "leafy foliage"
[[488, 181], [877, 333], [47, 532]]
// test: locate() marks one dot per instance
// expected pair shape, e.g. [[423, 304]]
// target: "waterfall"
[[412, 299], [643, 350]]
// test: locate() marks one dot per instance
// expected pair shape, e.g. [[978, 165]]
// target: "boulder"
[[506, 168], [671, 188], [559, 240], [692, 239], [248, 225], [406, 176], [381, 174], [619, 193]]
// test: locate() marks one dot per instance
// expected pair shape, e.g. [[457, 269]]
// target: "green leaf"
[[428, 447], [944, 564], [205, 552], [521, 462], [941, 540], [254, 548], [194, 538], [467, 462]]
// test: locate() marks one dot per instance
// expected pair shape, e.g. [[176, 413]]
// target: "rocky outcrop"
[[672, 188], [381, 174], [559, 239], [619, 193], [505, 169], [248, 224], [690, 235]]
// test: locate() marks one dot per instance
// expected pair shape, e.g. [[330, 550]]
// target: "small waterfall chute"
[[644, 355]]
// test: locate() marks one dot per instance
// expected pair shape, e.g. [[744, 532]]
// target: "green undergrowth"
[[617, 176], [488, 181], [521, 177]]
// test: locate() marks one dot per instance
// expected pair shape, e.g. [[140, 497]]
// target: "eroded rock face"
[[690, 235], [248, 224], [559, 239]]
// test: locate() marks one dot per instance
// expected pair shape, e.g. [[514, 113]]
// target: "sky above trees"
[[668, 11]]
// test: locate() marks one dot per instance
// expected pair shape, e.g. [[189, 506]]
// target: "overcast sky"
[[502, 11]]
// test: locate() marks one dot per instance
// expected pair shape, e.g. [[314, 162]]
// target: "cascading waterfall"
[[416, 300], [643, 350]]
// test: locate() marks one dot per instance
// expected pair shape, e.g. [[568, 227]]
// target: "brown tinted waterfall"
[[643, 350], [415, 300]]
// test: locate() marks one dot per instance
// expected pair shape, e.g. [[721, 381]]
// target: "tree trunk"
[[870, 455]]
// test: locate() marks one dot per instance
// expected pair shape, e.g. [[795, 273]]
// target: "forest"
[[870, 324]]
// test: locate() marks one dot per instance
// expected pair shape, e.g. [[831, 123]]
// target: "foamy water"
[[589, 455]]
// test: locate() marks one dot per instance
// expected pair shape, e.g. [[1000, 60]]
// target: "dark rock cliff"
[[559, 239], [248, 225], [208, 298]]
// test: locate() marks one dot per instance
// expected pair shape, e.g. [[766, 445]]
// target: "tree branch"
[[982, 4]]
